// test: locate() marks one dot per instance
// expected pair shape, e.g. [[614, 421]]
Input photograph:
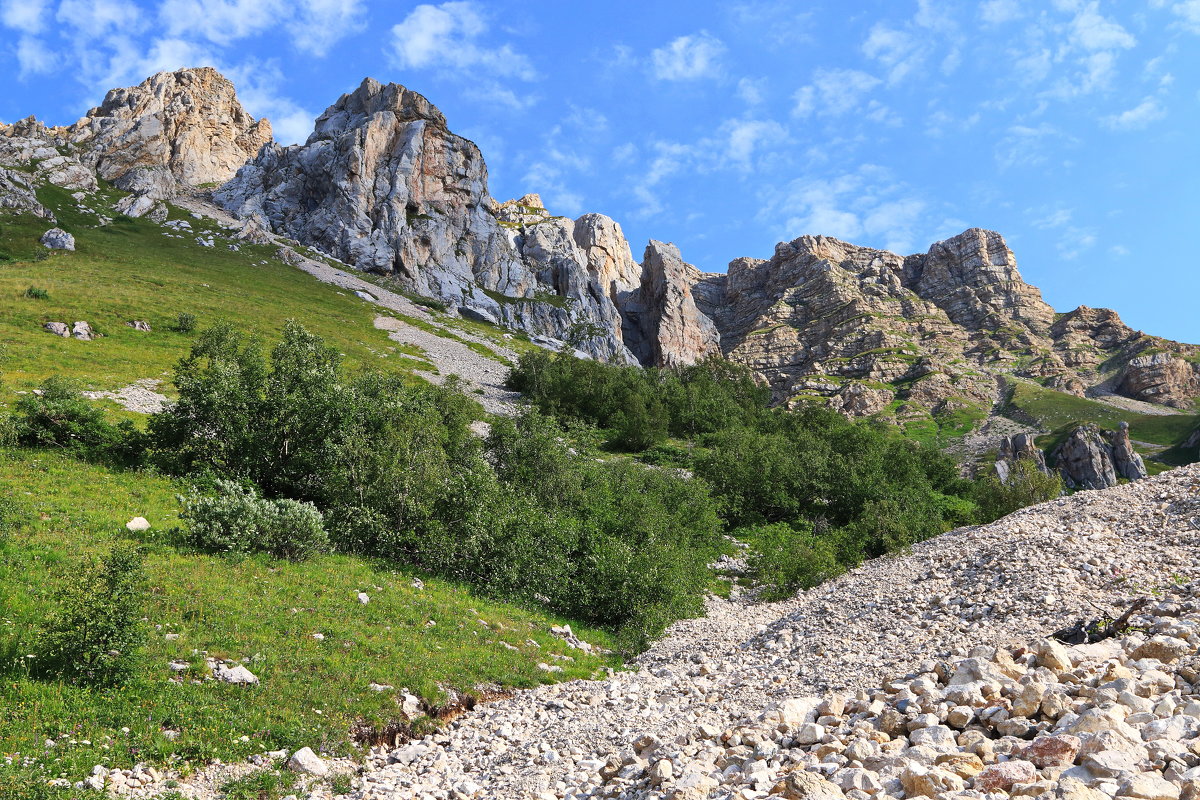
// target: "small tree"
[[1027, 485], [57, 415], [94, 633]]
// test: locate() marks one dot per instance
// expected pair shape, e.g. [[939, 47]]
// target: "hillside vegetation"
[[302, 464]]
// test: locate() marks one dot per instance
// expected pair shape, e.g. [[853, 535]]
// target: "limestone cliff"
[[869, 331], [383, 184], [188, 123]]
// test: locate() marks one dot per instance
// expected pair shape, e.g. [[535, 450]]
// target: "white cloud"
[[28, 16], [1048, 219], [313, 25], [776, 23], [34, 57], [687, 57], [1119, 250], [867, 204], [321, 23], [219, 21], [745, 136], [998, 12], [1138, 117], [448, 37], [1093, 31], [99, 18], [1188, 12], [751, 90], [833, 92], [895, 49], [1027, 145]]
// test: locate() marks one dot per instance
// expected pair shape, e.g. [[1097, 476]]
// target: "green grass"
[[257, 611], [129, 270], [1058, 413], [253, 610]]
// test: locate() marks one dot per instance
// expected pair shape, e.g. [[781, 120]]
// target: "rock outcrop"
[[383, 184], [1126, 461], [17, 193], [1091, 459], [869, 332], [1015, 448], [663, 326], [1161, 377], [187, 123], [1085, 459]]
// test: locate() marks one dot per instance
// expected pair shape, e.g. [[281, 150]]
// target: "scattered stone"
[[58, 329], [138, 524], [307, 762]]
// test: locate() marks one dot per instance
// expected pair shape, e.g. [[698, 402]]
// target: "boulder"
[[83, 332], [57, 239], [1002, 777], [306, 762], [58, 329], [801, 785], [236, 674], [138, 524], [139, 325]]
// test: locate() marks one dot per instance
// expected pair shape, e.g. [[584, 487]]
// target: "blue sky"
[[1069, 126]]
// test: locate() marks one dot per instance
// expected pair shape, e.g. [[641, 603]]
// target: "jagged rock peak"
[[371, 99], [188, 122], [973, 277]]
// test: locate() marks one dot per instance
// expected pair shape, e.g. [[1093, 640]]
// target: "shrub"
[[94, 633], [185, 323], [786, 558], [1027, 485], [34, 293], [59, 416], [237, 520]]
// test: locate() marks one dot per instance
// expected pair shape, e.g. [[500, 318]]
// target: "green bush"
[[57, 415], [1026, 486], [237, 520], [398, 475], [786, 558], [34, 293], [96, 629], [185, 323]]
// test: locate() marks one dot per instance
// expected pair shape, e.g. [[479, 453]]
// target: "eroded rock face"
[[1162, 377], [383, 184], [973, 277], [17, 194], [188, 121], [662, 324], [1085, 459], [822, 315]]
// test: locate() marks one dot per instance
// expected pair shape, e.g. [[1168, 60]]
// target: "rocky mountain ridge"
[[384, 185]]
